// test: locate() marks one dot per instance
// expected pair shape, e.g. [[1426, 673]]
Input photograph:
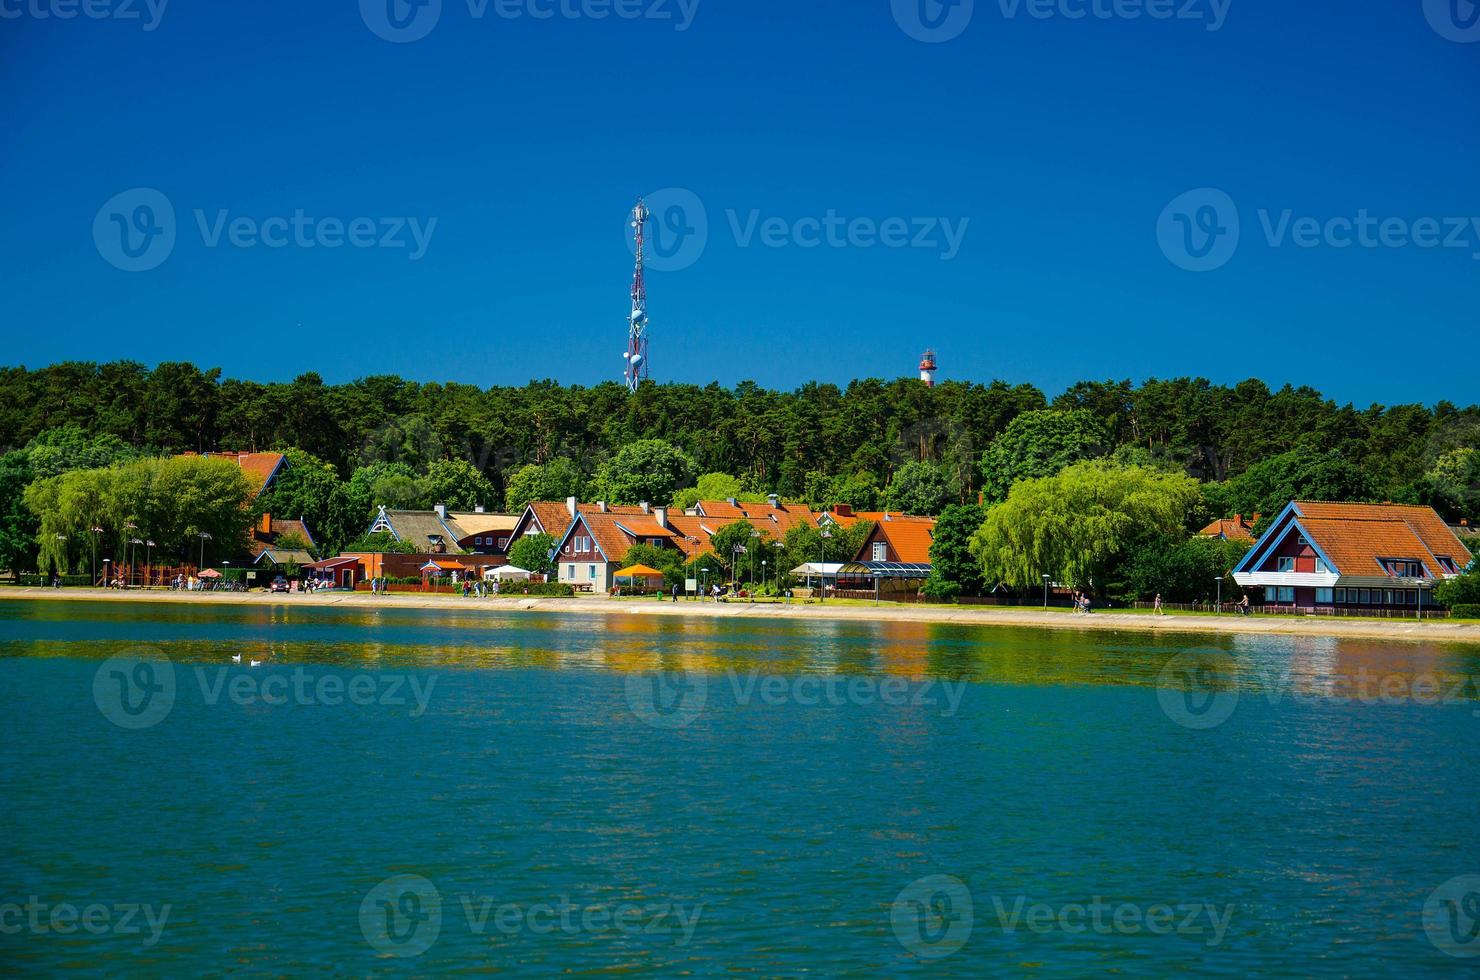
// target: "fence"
[[1337, 611]]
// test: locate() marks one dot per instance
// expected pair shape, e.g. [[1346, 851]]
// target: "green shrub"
[[45, 580], [1465, 610]]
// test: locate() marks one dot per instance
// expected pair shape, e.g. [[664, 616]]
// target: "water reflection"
[[459, 639]]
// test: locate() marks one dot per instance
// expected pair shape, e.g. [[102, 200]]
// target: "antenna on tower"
[[636, 354]]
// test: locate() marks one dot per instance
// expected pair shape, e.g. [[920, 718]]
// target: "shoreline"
[[985, 616]]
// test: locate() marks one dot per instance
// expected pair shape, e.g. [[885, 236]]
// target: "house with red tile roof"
[[1332, 556], [1231, 529], [595, 544], [553, 517], [899, 540]]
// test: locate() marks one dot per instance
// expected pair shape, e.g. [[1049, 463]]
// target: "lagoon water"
[[428, 791]]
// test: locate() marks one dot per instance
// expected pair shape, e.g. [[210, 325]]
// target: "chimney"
[[1238, 519], [774, 500], [570, 505], [843, 510], [441, 510], [732, 501], [645, 507], [661, 515], [1257, 515], [601, 506], [266, 524]]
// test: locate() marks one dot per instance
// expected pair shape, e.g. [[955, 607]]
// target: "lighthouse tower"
[[927, 369]]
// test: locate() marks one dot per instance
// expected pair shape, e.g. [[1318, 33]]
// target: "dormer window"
[[1402, 567], [1447, 564]]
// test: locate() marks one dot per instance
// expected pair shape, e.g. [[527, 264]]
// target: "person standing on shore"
[[1156, 607]]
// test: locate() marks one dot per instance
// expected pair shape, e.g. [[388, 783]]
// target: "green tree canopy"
[[556, 480], [169, 501], [1077, 524], [532, 553], [310, 488], [920, 487], [1300, 474], [649, 469], [458, 484], [1038, 444], [714, 486], [954, 570], [1183, 569]]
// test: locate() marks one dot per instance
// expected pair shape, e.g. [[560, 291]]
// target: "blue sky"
[[1011, 191]]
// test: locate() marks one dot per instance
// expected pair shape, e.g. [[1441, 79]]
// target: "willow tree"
[[1074, 526]]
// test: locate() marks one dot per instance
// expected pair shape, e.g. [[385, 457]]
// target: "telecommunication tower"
[[636, 355]]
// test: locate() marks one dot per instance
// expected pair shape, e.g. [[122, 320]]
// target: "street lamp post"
[[822, 593], [95, 532], [149, 559], [129, 555], [754, 550], [204, 537], [764, 578], [106, 577], [703, 582], [61, 568], [1045, 589], [1219, 580]]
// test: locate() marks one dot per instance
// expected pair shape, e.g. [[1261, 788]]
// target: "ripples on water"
[[1324, 821]]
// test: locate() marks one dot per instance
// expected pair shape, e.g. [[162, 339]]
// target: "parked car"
[[280, 584]]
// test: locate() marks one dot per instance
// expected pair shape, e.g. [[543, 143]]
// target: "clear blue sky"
[[1060, 141]]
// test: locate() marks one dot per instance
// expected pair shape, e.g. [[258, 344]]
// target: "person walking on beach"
[[1156, 607]]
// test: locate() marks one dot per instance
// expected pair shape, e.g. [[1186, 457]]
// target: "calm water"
[[515, 793]]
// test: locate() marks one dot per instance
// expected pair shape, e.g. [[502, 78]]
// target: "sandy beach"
[[1390, 629]]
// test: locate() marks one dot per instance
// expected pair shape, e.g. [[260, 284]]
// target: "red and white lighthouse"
[[927, 369]]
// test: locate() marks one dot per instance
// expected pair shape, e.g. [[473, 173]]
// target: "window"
[[1323, 597], [1321, 565], [1285, 565], [1403, 567], [1447, 564], [478, 541], [1341, 595], [1303, 542], [1271, 593], [1366, 597], [881, 551], [503, 542], [1387, 597], [591, 572], [1287, 593]]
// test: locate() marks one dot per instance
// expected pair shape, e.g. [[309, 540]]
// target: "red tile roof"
[[1232, 528], [909, 539], [1355, 536]]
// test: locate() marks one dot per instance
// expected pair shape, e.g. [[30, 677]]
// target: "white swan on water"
[[236, 658], [256, 663]]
